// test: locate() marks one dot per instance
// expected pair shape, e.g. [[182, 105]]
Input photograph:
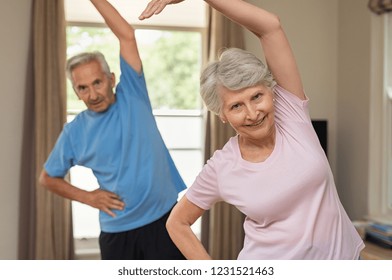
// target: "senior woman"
[[274, 170]]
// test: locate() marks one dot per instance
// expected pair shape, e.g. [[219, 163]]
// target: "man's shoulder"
[[75, 121]]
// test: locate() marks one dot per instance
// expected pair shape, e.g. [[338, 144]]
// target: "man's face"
[[93, 86]]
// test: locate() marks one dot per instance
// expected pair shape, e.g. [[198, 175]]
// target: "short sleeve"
[[132, 84], [204, 192], [61, 159], [289, 107]]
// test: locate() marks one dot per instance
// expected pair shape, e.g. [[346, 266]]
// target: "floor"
[[87, 249]]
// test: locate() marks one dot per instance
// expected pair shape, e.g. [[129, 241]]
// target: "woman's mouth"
[[258, 123]]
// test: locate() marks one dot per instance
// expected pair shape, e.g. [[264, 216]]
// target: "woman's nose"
[[252, 113]]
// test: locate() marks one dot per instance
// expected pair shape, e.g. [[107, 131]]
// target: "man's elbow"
[[43, 179]]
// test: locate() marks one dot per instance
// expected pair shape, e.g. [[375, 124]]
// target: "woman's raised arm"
[[266, 26]]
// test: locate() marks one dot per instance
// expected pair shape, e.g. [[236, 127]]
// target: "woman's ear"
[[223, 119]]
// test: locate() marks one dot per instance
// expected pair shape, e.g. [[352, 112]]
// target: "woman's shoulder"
[[283, 93], [289, 107], [227, 153]]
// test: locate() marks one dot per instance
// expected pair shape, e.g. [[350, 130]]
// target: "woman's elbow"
[[170, 225], [175, 226], [275, 23]]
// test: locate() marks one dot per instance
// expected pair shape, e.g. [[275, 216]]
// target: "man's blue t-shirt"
[[126, 153]]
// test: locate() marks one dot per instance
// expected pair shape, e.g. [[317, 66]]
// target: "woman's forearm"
[[183, 215], [255, 19], [186, 241]]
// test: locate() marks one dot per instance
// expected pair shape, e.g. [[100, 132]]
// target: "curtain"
[[222, 226], [45, 220], [380, 6], [26, 248]]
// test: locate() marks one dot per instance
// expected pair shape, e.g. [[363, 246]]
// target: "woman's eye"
[[235, 106], [257, 96]]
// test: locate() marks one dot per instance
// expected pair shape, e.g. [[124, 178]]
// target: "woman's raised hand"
[[154, 7]]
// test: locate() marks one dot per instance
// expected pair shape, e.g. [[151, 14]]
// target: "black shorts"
[[150, 242]]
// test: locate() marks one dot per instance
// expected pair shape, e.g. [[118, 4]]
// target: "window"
[[174, 91], [380, 173], [387, 113]]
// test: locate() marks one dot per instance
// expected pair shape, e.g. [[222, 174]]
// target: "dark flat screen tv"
[[321, 128]]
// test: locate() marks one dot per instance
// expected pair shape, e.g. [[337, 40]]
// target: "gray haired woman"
[[274, 170]]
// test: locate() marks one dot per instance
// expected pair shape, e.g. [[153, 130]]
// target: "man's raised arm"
[[123, 31]]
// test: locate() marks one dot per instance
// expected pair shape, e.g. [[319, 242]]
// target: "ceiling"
[[190, 13]]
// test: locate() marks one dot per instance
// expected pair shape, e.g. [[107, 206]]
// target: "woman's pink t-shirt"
[[290, 200]]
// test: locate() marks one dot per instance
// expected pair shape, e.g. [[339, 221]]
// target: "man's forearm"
[[119, 26], [62, 188], [123, 31]]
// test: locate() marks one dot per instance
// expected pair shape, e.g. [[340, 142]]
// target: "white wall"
[[354, 105], [14, 30]]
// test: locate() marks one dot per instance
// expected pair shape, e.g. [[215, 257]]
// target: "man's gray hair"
[[84, 58]]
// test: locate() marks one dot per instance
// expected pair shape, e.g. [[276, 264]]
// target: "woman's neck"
[[257, 150]]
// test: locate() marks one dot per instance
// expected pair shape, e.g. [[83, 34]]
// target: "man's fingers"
[[117, 204], [113, 205], [109, 212]]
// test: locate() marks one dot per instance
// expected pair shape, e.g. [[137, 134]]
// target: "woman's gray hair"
[[84, 58], [236, 69]]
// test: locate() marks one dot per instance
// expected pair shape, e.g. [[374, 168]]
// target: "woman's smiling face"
[[250, 111]]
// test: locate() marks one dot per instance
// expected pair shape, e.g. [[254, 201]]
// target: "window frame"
[[380, 136]]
